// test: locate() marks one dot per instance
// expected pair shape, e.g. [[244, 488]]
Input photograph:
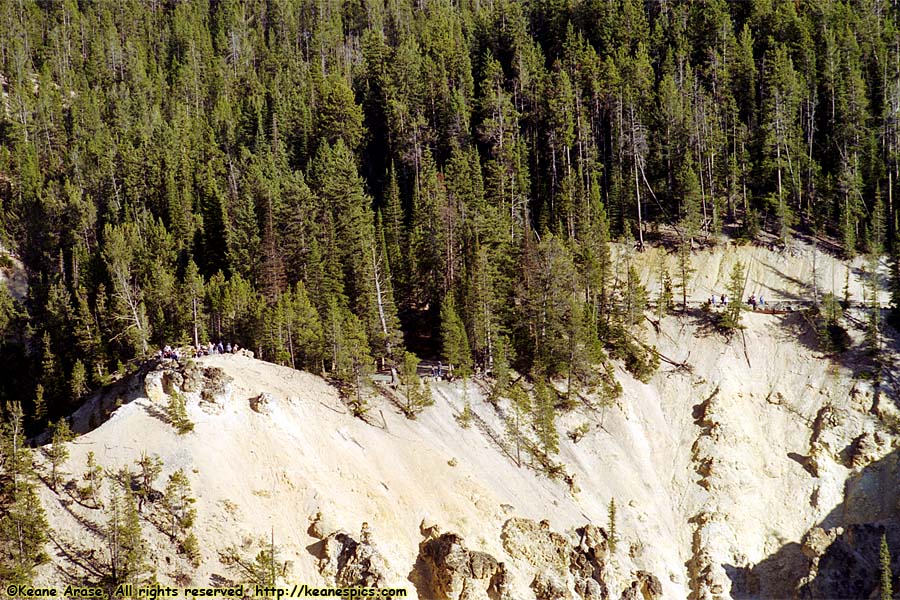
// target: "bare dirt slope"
[[716, 467]]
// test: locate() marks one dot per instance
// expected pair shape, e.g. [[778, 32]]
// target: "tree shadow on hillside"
[[806, 294], [882, 279], [100, 406], [849, 566], [81, 564], [801, 327], [705, 321], [157, 414]]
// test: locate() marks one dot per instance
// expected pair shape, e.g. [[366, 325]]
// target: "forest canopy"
[[334, 183]]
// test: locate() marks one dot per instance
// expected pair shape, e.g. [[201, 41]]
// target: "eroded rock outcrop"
[[868, 448], [453, 572], [845, 563], [582, 568], [350, 562], [262, 403], [211, 385], [536, 544], [548, 585]]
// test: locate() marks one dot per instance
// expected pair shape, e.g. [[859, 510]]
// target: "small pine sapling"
[[150, 467], [58, 453], [176, 412], [613, 535], [93, 475], [887, 577], [418, 395]]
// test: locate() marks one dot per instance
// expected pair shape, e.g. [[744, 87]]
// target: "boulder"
[[548, 585], [262, 403], [154, 388], [320, 526], [649, 586], [192, 378], [452, 572], [816, 542], [217, 386], [351, 563], [591, 589], [537, 544], [868, 448]]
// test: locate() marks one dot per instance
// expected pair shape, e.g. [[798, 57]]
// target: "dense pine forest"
[[334, 183]]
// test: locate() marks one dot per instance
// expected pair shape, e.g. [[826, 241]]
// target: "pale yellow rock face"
[[714, 468]]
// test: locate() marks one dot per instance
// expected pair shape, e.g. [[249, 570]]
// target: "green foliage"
[[178, 504], [544, 416], [418, 394], [501, 369], [464, 418], [684, 271], [832, 335], [730, 318], [579, 432], [93, 475], [613, 533], [7, 310], [222, 179], [886, 584], [129, 310], [149, 468], [665, 299], [176, 413], [351, 363], [519, 408], [40, 405], [263, 569], [78, 381], [58, 453], [23, 525], [128, 557], [456, 350], [190, 547], [873, 322]]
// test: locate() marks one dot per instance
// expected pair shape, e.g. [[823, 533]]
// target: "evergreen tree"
[[93, 475], [149, 467], [351, 362], [40, 405], [731, 316], [455, 341], [78, 381], [684, 272], [130, 312], [58, 453], [664, 299], [501, 369], [782, 133], [519, 407], [418, 395], [176, 412], [613, 533], [193, 291], [23, 525], [177, 502], [124, 539], [887, 577], [544, 416]]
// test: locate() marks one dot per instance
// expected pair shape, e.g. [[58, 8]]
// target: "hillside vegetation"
[[537, 198], [744, 468], [330, 183]]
